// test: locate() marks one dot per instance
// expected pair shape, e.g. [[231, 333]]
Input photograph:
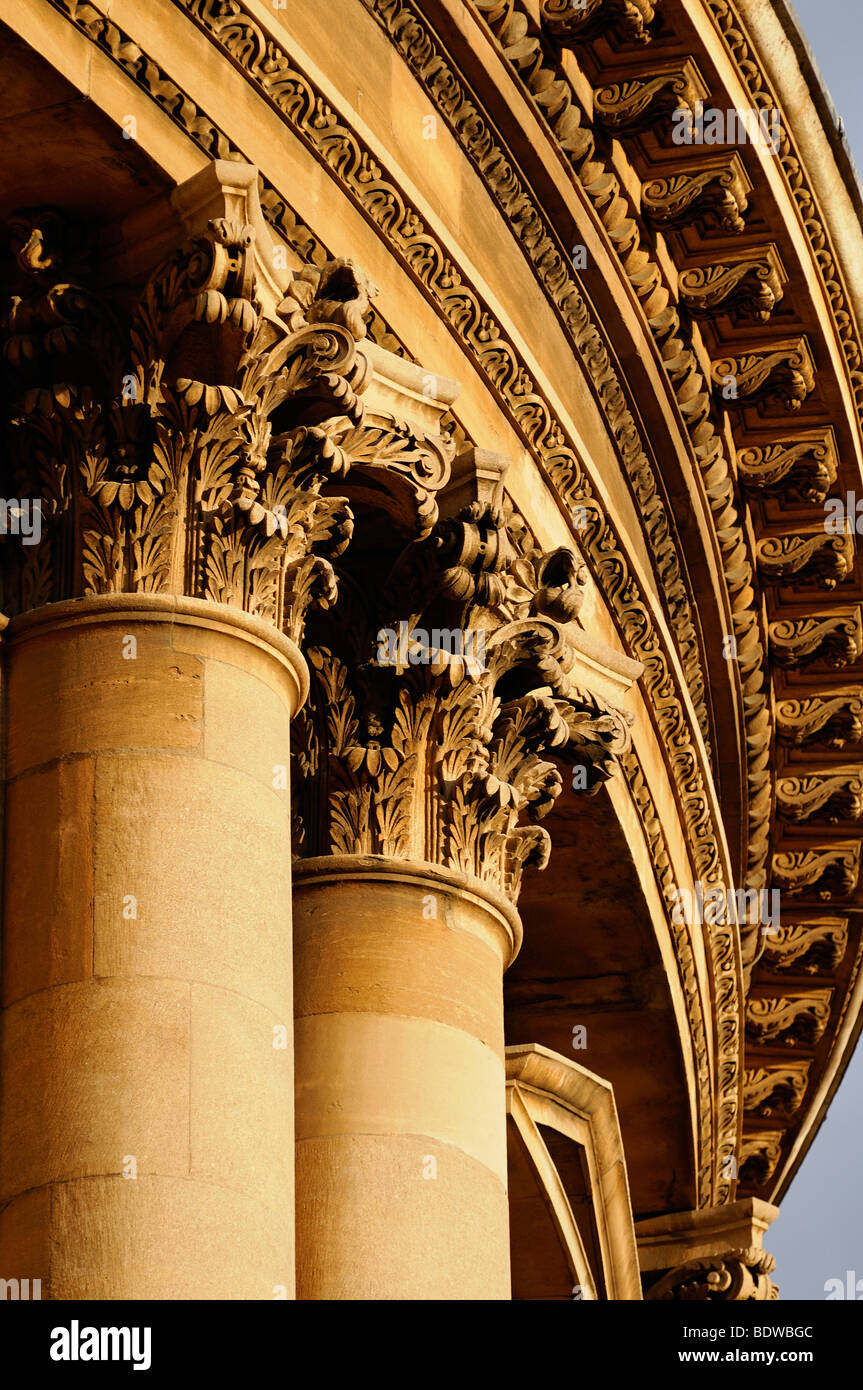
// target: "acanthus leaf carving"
[[207, 487], [581, 20], [788, 1019], [833, 640], [817, 558], [635, 104], [823, 873], [442, 744], [760, 1153], [828, 797], [775, 1090], [811, 947], [750, 282], [832, 720]]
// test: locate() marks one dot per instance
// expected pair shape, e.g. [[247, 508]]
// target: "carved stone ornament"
[[790, 1019], [635, 104], [716, 196], [816, 558], [759, 1157], [442, 701], [750, 282], [822, 721], [775, 1090], [823, 873], [800, 467], [811, 947], [781, 374], [834, 640], [824, 797], [579, 20], [734, 1276], [184, 448]]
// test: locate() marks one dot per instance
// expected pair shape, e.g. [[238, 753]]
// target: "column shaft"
[[401, 1111], [146, 1135]]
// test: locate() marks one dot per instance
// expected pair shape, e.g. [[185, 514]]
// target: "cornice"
[[768, 372]]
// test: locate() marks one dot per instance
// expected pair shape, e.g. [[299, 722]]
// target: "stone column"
[[401, 1140], [175, 454], [435, 695], [147, 1123]]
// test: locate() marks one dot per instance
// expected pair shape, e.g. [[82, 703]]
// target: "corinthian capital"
[[446, 699], [182, 445]]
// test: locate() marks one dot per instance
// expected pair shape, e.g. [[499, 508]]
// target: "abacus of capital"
[[402, 616]]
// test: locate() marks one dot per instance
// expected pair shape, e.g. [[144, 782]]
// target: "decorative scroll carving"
[[763, 97], [705, 198], [834, 640], [818, 558], [581, 20], [829, 796], [735, 1276], [759, 1156], [825, 873], [155, 480], [812, 947], [636, 104], [775, 1090], [822, 721], [783, 374], [789, 1018], [750, 282], [429, 753], [802, 467], [399, 458]]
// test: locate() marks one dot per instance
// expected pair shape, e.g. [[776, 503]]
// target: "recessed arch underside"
[[590, 984]]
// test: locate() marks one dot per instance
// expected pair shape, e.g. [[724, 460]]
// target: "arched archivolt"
[[571, 1231]]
